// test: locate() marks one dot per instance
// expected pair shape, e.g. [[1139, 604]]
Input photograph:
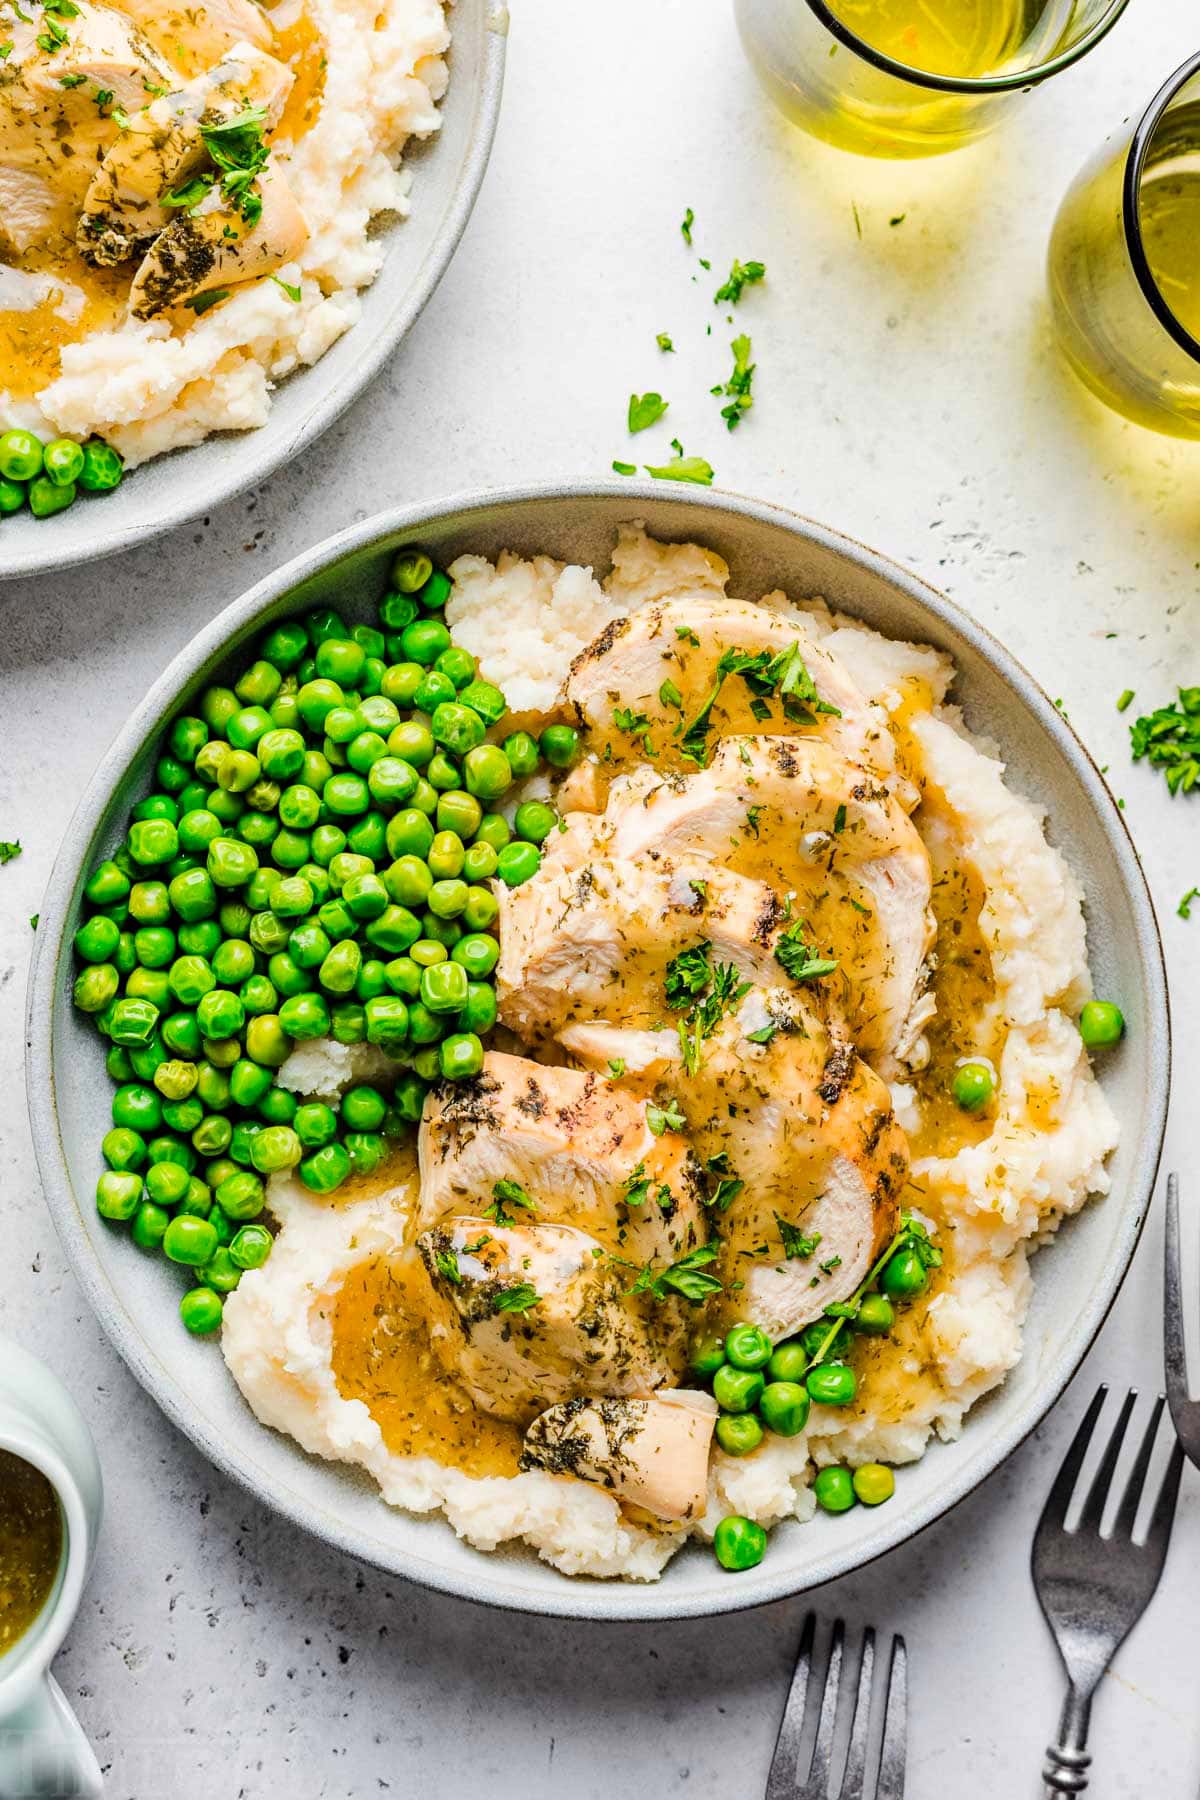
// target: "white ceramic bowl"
[[1076, 1279], [447, 170]]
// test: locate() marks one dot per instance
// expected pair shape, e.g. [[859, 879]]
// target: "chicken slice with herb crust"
[[649, 1453], [523, 1144], [533, 1314], [673, 678], [821, 830], [211, 248], [164, 147]]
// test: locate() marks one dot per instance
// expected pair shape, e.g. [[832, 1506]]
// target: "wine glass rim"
[[1135, 168], [961, 84]]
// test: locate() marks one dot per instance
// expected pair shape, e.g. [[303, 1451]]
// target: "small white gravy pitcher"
[[43, 1752]]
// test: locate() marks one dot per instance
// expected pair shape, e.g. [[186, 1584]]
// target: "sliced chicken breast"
[[206, 251], [530, 1315], [592, 943], [195, 37], [652, 1453], [651, 686], [795, 813], [578, 1149], [164, 146], [59, 108]]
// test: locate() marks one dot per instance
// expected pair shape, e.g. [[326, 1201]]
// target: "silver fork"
[[796, 1775], [1094, 1589], [1185, 1412]]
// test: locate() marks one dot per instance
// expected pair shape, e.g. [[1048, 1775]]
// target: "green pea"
[[522, 753], [96, 941], [409, 880], [189, 1240], [287, 977], [107, 884], [460, 1056], [708, 1354], [117, 1065], [212, 1135], [221, 1274], [831, 1384], [411, 569], [247, 725], [149, 1225], [903, 1276], [200, 1309], [123, 1148], [365, 896], [426, 797], [408, 1102], [133, 1022], [340, 969], [173, 776], [118, 1194], [308, 946], [372, 979], [403, 977], [137, 1107], [458, 664], [876, 1315], [739, 1543], [231, 862], [485, 699], [267, 1040], [1101, 1024], [166, 1183], [424, 640], [367, 837], [325, 1169], [517, 863], [258, 995], [12, 496], [278, 1147], [487, 771], [291, 849], [427, 951], [363, 1109], [278, 1106], [395, 929], [738, 1433], [459, 813], [437, 690], [346, 795], [833, 1489], [175, 1079], [241, 1196], [153, 841], [197, 829], [102, 467], [299, 808], [249, 1081], [789, 1362], [239, 772], [441, 931], [387, 1020], [442, 775], [784, 1408], [426, 1063], [480, 1013], [444, 987], [481, 909], [747, 1347], [251, 1246], [874, 1483], [96, 987], [303, 1016], [737, 1390], [559, 745], [315, 1124], [412, 742], [446, 856], [477, 954], [220, 1014], [479, 863], [973, 1086], [63, 461], [185, 1114], [20, 456]]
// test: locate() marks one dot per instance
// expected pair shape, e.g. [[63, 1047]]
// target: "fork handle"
[[1067, 1763]]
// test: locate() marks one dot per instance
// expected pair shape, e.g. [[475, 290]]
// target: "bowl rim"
[[41, 557], [487, 1580]]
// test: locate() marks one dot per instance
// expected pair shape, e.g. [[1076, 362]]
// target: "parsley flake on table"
[[663, 340], [645, 410], [1184, 909], [8, 851], [741, 276], [1124, 699], [682, 468], [1170, 739], [738, 385], [689, 219], [622, 468]]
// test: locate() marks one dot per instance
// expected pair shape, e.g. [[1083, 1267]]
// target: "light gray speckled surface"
[[907, 394]]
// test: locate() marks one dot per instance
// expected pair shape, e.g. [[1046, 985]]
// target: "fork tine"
[[816, 1787], [1093, 1506], [1132, 1498], [1162, 1519], [1058, 1501], [781, 1782], [895, 1726], [1174, 1343], [855, 1771]]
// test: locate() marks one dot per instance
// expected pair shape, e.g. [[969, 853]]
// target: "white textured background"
[[907, 393]]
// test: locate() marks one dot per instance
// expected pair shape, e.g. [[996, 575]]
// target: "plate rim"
[[34, 560], [486, 1579]]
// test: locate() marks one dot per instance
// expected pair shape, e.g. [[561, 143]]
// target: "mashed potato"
[[147, 388], [1043, 1155]]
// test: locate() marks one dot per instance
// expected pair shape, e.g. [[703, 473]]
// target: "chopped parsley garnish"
[[238, 152], [8, 851], [738, 385], [637, 1187], [103, 98], [699, 888], [33, 921], [200, 303], [189, 195], [446, 1264], [664, 1118], [827, 1268], [1170, 739], [663, 341], [689, 219], [669, 695], [688, 975], [839, 818], [800, 961], [71, 81], [682, 468], [796, 1242], [1124, 700], [6, 50], [753, 814], [516, 1299], [507, 1193], [725, 1193], [688, 636], [293, 293], [53, 36], [1184, 909], [785, 674], [763, 1035], [741, 275], [708, 991], [645, 410], [688, 1277], [620, 468], [616, 1067], [636, 725]]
